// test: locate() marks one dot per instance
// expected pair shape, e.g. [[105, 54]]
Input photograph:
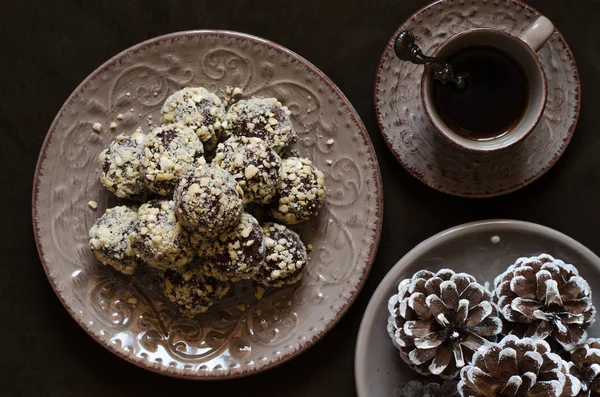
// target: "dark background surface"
[[48, 48]]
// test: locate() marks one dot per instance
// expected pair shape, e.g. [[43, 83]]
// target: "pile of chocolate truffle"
[[196, 179], [527, 337]]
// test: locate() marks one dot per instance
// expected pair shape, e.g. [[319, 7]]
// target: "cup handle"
[[538, 33]]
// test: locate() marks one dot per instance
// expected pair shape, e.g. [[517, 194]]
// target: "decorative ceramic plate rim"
[[376, 231], [482, 195], [393, 274]]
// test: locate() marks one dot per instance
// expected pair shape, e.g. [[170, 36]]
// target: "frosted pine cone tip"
[[517, 367], [549, 297], [585, 365], [438, 320]]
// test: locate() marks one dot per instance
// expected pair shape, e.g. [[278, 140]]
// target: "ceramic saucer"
[[379, 370], [413, 140]]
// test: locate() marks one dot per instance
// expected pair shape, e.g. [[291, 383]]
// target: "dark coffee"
[[494, 100]]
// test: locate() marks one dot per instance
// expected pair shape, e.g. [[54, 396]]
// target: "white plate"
[[473, 248]]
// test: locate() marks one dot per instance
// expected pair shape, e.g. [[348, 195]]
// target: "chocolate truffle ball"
[[300, 192], [192, 290], [170, 152], [253, 164], [264, 118], [120, 166], [159, 239], [235, 255], [198, 109], [208, 202], [110, 238], [285, 257]]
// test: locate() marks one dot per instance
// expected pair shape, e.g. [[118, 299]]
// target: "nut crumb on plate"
[[260, 292]]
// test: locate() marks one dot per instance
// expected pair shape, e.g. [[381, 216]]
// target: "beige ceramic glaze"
[[437, 162], [242, 335]]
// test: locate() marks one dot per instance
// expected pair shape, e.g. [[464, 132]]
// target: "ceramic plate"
[[483, 249], [130, 316], [427, 156]]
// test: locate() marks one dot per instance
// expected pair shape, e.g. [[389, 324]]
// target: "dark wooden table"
[[49, 47]]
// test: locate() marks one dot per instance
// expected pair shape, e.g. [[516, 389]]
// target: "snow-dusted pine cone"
[[517, 367], [416, 388], [437, 320], [547, 295], [585, 365]]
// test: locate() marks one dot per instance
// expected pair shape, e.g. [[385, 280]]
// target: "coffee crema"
[[495, 98]]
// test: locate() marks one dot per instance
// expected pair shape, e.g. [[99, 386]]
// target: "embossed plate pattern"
[[413, 140], [242, 335]]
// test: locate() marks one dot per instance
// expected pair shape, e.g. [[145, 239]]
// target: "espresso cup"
[[522, 51]]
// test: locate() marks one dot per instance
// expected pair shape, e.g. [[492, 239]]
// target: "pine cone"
[[416, 388], [585, 365], [517, 367], [547, 295], [437, 320]]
